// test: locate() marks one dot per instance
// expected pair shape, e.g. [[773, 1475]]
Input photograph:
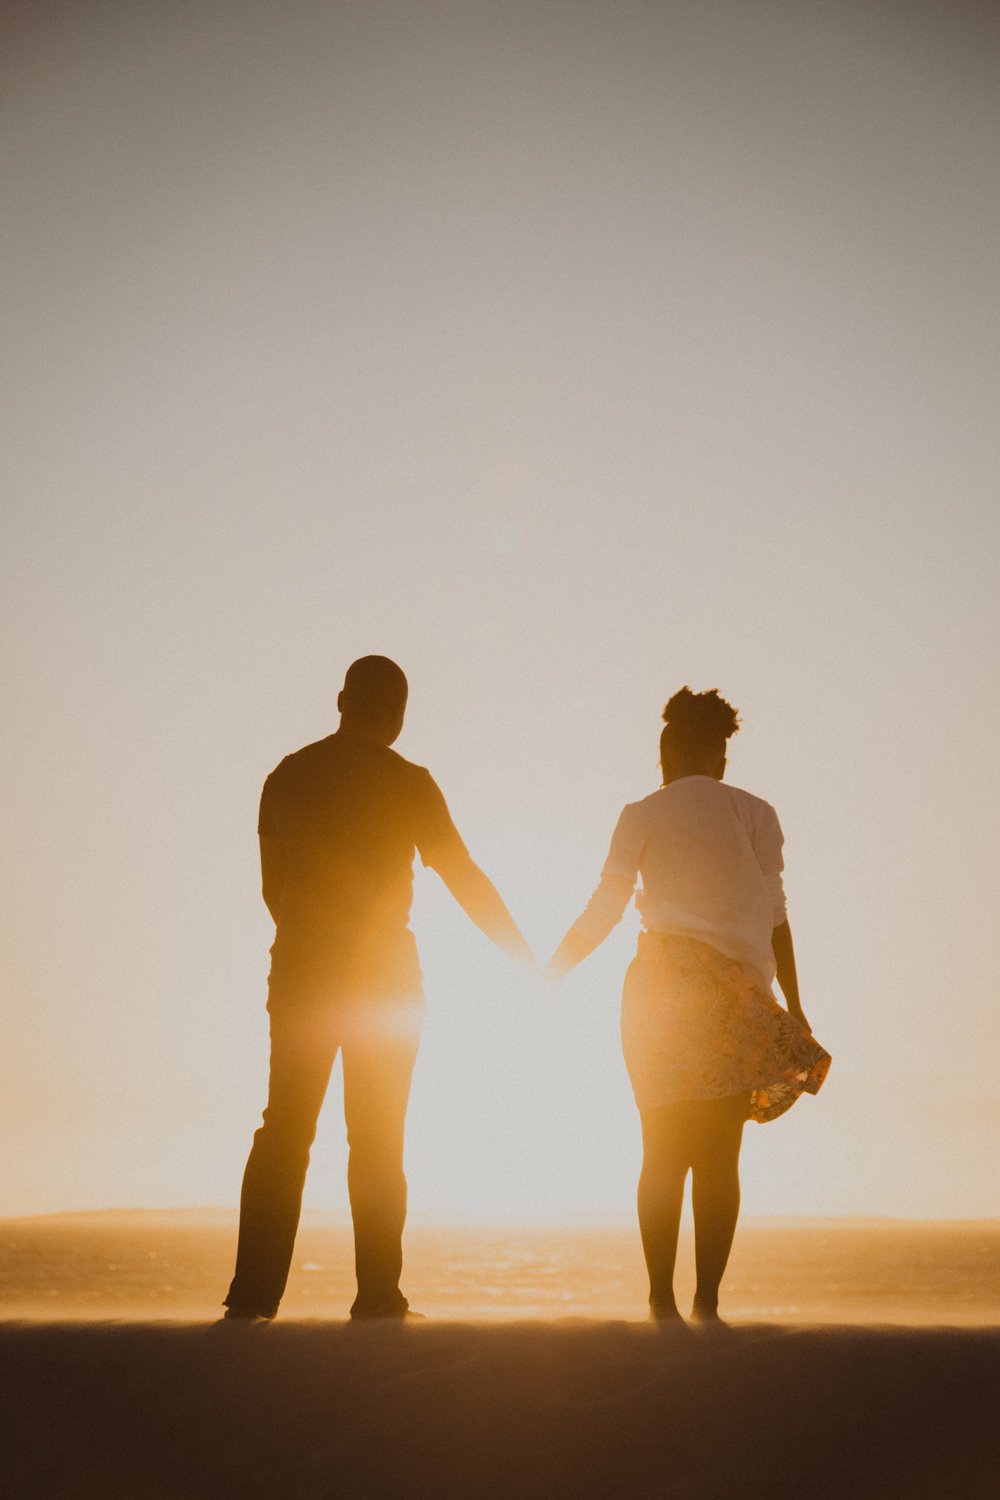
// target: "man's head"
[[372, 701]]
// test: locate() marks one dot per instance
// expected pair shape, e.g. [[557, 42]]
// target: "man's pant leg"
[[379, 1051], [303, 1047]]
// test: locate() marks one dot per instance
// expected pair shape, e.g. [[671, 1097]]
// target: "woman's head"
[[696, 728]]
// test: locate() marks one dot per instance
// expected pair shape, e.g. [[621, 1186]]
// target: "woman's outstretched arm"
[[607, 905], [572, 950], [603, 911]]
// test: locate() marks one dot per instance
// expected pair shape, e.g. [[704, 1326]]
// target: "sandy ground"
[[571, 1408], [863, 1362]]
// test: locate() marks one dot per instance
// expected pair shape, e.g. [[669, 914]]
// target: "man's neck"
[[360, 730]]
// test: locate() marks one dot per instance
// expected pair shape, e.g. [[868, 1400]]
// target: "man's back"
[[339, 823]]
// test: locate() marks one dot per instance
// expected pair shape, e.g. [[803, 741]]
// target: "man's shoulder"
[[406, 772], [334, 754], [417, 782], [317, 753], [406, 767]]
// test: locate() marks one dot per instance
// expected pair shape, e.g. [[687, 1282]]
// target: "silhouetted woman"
[[706, 1043]]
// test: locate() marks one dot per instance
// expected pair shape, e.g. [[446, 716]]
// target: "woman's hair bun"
[[700, 716]]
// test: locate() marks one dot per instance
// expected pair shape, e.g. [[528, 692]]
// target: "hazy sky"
[[566, 352]]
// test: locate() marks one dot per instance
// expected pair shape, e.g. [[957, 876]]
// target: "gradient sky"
[[566, 352]]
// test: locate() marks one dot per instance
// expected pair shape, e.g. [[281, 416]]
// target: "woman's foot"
[[664, 1312], [706, 1315]]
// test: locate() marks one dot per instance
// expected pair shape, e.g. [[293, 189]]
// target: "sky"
[[566, 353]]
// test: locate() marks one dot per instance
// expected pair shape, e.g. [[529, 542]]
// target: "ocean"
[[176, 1266]]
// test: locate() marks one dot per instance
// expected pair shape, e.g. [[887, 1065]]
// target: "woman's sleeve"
[[767, 843], [607, 905]]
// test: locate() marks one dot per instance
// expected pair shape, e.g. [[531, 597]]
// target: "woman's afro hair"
[[699, 718]]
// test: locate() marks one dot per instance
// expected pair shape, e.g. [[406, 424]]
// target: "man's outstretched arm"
[[480, 900]]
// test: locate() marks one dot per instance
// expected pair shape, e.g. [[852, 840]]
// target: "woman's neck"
[[714, 773]]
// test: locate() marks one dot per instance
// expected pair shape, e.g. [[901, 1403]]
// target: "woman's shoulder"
[[752, 806], [644, 805]]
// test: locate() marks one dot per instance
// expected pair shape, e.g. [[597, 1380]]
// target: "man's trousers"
[[378, 1042]]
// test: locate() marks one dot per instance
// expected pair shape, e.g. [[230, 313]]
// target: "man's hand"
[[481, 901]]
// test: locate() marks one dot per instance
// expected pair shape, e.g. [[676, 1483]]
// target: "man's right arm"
[[272, 856], [272, 873]]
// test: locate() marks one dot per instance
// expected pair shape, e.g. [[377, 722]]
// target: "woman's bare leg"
[[716, 1135], [665, 1163], [703, 1136]]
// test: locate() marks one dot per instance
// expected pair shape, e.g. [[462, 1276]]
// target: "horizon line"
[[340, 1218]]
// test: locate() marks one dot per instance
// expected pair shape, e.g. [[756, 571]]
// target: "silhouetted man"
[[339, 823]]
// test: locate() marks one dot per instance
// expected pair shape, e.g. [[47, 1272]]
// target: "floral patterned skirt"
[[699, 1025]]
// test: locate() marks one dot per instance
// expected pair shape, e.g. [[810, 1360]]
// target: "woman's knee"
[[670, 1136]]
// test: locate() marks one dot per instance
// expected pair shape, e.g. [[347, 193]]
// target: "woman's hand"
[[573, 948]]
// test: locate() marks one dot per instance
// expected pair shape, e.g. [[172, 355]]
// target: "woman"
[[706, 1043]]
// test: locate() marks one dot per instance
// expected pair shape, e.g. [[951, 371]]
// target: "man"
[[339, 823]]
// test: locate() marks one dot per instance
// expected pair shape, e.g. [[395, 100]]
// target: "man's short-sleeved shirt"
[[340, 822]]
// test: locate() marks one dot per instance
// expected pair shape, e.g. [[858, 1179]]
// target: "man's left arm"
[[441, 847], [479, 898]]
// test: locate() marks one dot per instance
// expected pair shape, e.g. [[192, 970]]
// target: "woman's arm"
[[603, 911], [607, 905], [784, 958], [573, 949]]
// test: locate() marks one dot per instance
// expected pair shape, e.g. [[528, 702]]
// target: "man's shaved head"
[[373, 698], [374, 683]]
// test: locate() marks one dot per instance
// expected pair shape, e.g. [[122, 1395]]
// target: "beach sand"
[[825, 1384], [540, 1409]]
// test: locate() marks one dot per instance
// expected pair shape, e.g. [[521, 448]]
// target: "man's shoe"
[[390, 1307], [244, 1315]]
